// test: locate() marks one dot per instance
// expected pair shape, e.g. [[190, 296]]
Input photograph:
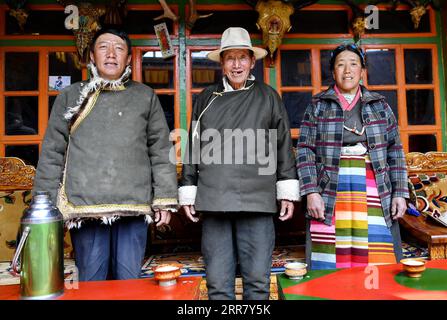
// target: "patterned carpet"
[[192, 263], [238, 289]]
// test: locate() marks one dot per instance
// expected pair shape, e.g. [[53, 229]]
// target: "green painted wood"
[[421, 40], [151, 42], [284, 282], [183, 94], [272, 76], [432, 279], [216, 42], [36, 43], [299, 297]]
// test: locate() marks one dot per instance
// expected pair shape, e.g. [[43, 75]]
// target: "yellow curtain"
[[156, 76], [203, 76]]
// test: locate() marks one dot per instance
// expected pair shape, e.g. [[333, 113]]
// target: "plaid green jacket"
[[320, 142]]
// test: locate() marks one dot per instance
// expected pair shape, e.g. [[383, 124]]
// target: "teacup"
[[295, 270], [413, 267], [167, 274]]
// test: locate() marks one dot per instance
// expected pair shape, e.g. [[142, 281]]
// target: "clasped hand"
[[162, 217]]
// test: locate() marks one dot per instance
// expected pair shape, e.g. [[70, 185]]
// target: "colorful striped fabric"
[[358, 235]]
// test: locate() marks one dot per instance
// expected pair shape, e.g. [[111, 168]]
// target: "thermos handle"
[[15, 260]]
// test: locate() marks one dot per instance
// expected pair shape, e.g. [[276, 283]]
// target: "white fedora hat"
[[236, 38]]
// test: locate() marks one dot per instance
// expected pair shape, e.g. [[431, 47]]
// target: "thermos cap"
[[41, 209], [42, 193]]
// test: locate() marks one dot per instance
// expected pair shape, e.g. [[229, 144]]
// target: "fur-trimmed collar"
[[95, 83]]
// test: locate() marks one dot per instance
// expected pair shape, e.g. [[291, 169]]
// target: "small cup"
[[413, 267], [295, 270], [167, 274]]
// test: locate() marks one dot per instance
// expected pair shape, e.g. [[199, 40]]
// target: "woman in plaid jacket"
[[352, 170]]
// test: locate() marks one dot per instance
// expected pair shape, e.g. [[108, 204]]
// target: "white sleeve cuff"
[[288, 190], [187, 195]]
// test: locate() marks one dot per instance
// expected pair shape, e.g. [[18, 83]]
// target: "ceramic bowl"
[[167, 274], [413, 267], [295, 270]]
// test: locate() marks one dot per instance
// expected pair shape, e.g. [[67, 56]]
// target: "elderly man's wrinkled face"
[[236, 65], [348, 71], [110, 56]]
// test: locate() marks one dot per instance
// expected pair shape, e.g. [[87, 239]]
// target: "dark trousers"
[[228, 238], [119, 248]]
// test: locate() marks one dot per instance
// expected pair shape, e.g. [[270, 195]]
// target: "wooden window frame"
[[405, 129], [42, 93], [137, 75]]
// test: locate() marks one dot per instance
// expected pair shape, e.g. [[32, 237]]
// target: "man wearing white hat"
[[229, 184]]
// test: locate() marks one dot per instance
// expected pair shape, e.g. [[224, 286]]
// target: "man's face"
[[236, 65], [110, 56]]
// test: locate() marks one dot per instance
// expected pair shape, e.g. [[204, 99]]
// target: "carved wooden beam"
[[15, 174], [430, 161]]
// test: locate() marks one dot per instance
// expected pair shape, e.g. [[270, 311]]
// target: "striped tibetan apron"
[[358, 235]]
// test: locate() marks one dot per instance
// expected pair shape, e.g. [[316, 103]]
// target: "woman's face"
[[347, 72]]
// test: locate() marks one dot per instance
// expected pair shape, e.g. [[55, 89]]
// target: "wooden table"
[[427, 231], [187, 288], [386, 282]]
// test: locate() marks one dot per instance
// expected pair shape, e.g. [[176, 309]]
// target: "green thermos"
[[41, 250]]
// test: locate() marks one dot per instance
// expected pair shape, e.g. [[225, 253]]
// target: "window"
[[406, 76], [161, 75], [298, 81], [28, 93]]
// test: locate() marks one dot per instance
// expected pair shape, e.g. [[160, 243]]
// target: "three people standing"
[[105, 162]]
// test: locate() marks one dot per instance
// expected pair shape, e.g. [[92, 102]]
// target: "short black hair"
[[119, 33], [350, 47]]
